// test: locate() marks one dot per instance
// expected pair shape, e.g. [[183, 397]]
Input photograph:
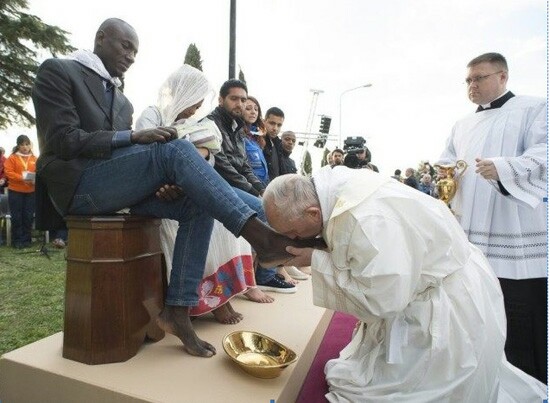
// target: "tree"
[[241, 75], [306, 164], [21, 36], [324, 159], [192, 57]]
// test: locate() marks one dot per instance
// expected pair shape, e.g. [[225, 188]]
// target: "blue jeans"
[[22, 216], [262, 274], [131, 177]]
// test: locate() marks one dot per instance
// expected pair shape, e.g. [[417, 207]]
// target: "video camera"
[[353, 145]]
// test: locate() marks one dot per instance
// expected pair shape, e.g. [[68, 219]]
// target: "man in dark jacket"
[[274, 119], [287, 164], [231, 162]]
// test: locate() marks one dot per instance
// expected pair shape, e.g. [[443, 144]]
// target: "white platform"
[[163, 372]]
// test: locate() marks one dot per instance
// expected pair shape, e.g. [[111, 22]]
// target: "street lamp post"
[[340, 117]]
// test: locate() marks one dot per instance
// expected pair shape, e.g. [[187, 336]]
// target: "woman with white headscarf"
[[229, 266]]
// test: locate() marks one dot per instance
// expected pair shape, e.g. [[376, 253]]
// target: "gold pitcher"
[[448, 185]]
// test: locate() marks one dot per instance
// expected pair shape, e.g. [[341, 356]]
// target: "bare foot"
[[175, 320], [257, 295], [226, 314], [286, 276]]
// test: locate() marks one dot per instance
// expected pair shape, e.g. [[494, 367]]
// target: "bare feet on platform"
[[175, 320], [226, 314], [257, 295]]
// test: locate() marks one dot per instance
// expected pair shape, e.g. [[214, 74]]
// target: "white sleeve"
[[525, 176]]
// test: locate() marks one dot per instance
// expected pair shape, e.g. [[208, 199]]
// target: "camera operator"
[[358, 155]]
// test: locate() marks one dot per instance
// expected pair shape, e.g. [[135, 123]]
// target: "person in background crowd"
[[426, 185], [330, 160], [397, 175], [337, 157], [20, 169], [3, 184], [3, 180], [287, 164], [231, 162], [500, 201], [360, 159], [410, 179], [274, 119], [254, 129]]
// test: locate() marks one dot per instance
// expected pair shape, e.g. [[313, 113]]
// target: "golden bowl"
[[257, 354]]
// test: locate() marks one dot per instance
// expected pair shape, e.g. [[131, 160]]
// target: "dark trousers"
[[22, 216], [525, 303]]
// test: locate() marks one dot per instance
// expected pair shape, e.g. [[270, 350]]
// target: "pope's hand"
[[302, 256], [487, 169]]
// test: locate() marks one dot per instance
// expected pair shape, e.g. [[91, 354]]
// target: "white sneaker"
[[296, 273]]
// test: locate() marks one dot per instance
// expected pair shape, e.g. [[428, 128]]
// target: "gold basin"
[[257, 354]]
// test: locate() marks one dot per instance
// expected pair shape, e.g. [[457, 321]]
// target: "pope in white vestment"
[[432, 324]]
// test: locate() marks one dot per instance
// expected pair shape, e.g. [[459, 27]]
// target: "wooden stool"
[[114, 287]]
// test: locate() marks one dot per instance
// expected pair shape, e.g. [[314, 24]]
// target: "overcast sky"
[[413, 52]]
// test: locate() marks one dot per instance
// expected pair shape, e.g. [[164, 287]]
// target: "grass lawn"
[[31, 295]]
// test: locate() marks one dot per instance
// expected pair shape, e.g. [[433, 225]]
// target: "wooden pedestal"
[[114, 287]]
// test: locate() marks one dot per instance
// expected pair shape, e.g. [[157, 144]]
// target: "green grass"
[[31, 295]]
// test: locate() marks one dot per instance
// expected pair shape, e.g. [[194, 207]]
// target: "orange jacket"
[[14, 167]]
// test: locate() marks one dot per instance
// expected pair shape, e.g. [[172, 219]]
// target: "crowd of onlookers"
[[424, 178]]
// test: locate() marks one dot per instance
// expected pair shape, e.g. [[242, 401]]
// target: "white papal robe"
[[432, 323], [510, 230]]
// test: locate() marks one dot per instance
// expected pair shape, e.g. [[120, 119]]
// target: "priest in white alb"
[[500, 202], [431, 316]]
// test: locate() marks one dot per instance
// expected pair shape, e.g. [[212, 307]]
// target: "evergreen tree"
[[192, 56], [324, 160], [241, 75], [306, 164], [21, 36]]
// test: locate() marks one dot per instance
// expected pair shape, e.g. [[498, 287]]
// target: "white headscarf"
[[92, 61], [184, 88]]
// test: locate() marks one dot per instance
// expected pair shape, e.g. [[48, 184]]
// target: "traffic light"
[[325, 124]]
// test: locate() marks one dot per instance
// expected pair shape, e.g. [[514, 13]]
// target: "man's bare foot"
[[281, 271], [175, 320], [270, 246], [256, 295], [226, 314]]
